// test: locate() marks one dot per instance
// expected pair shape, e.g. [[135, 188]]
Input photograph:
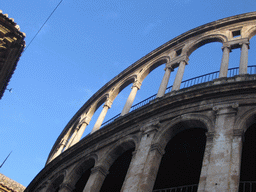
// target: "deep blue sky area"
[[83, 46]]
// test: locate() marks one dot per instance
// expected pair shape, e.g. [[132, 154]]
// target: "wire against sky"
[[43, 25]]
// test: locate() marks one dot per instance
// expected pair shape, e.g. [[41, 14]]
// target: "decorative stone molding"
[[150, 127], [67, 186], [137, 84], [100, 169], [158, 148], [226, 108], [179, 59], [108, 103]]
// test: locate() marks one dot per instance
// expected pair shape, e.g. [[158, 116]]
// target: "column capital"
[[179, 59], [85, 120], [237, 43], [238, 132], [226, 108], [152, 126], [210, 134], [228, 46], [66, 186], [136, 84], [100, 169], [108, 103], [158, 148], [169, 66]]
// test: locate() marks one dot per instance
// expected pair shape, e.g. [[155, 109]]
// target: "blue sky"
[[83, 46]]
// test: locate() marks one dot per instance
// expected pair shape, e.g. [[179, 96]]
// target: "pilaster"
[[224, 148], [96, 179], [139, 165]]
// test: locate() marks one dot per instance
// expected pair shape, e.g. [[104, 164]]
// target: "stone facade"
[[207, 120], [11, 46]]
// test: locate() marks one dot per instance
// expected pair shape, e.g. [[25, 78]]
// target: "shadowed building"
[[11, 46], [189, 136]]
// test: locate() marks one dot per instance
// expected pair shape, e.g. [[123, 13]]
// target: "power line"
[[42, 25], [5, 159]]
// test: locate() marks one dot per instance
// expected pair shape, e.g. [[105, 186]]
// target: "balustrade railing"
[[244, 186], [188, 83], [186, 188], [247, 186]]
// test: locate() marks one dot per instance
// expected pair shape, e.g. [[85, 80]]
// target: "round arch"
[[80, 168], [118, 149], [202, 41], [251, 32], [245, 120], [153, 65], [122, 86], [171, 128], [94, 107]]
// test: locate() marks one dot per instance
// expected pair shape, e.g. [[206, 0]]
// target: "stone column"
[[243, 58], [61, 146], [102, 115], [138, 166], [206, 160], [224, 61], [237, 143], [96, 179], [222, 166], [80, 131], [135, 87], [151, 168], [164, 83], [179, 75]]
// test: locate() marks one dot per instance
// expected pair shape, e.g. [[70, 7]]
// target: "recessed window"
[[178, 52], [236, 33]]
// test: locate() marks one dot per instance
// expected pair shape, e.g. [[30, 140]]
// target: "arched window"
[[248, 165], [182, 161], [117, 172]]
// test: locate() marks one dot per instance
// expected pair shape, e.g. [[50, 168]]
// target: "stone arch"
[[122, 86], [118, 149], [245, 120], [94, 107], [171, 128], [117, 162], [153, 65], [251, 32], [202, 41], [80, 167], [56, 181]]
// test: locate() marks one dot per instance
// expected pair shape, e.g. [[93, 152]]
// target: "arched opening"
[[248, 165], [251, 56], [152, 81], [85, 172], [205, 59], [55, 186], [182, 161], [117, 172]]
